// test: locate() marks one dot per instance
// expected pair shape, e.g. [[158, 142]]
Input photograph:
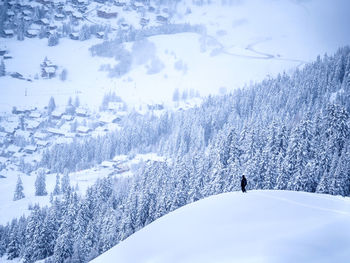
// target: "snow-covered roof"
[[108, 118], [27, 12], [45, 21], [32, 32], [27, 18], [8, 31], [3, 134], [55, 131], [13, 148], [81, 111], [69, 8], [25, 134], [10, 13], [30, 148], [67, 117], [57, 113], [77, 15], [63, 140], [59, 15], [108, 164], [42, 143], [32, 124], [50, 69], [35, 115], [83, 129], [109, 9], [40, 135], [10, 127], [138, 4]]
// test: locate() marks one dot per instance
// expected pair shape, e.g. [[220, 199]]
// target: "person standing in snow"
[[243, 184]]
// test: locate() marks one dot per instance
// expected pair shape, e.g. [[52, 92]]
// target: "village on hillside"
[[28, 131]]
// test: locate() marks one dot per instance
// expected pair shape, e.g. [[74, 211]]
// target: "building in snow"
[[107, 12]]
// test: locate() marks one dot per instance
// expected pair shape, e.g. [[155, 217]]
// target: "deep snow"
[[260, 226]]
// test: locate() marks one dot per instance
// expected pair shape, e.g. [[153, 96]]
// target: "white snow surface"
[[260, 226]]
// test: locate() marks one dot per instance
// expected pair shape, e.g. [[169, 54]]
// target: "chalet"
[[27, 19], [82, 2], [81, 112], [3, 134], [21, 110], [109, 118], [33, 125], [48, 69], [13, 149], [10, 13], [100, 35], [138, 6], [31, 33], [74, 36], [42, 143], [162, 19], [27, 12], [8, 33], [24, 134], [144, 21], [40, 136], [30, 149], [68, 9], [67, 117], [77, 15], [59, 17], [124, 26], [83, 129], [108, 164], [3, 51], [49, 72], [53, 26], [35, 115], [107, 12], [57, 114], [44, 2], [10, 127], [120, 2], [55, 131], [63, 140], [44, 22]]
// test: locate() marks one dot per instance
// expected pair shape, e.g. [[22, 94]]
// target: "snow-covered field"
[[260, 226], [245, 42]]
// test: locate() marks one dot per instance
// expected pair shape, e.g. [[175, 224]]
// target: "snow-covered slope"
[[260, 226]]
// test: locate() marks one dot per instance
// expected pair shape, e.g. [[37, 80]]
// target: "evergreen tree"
[[19, 190], [57, 189], [2, 68], [52, 105], [40, 184]]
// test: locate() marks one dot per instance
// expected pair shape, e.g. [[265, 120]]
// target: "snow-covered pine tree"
[[40, 184], [19, 190], [57, 189], [2, 68]]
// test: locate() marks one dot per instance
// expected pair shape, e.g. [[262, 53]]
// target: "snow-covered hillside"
[[244, 41], [260, 226]]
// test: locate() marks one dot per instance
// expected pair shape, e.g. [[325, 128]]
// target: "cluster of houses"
[[45, 17], [26, 132]]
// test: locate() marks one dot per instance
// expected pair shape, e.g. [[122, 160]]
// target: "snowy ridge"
[[260, 226]]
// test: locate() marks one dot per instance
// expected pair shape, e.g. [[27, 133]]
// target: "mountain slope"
[[260, 226]]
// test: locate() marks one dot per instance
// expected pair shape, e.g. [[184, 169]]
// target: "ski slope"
[[260, 226]]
